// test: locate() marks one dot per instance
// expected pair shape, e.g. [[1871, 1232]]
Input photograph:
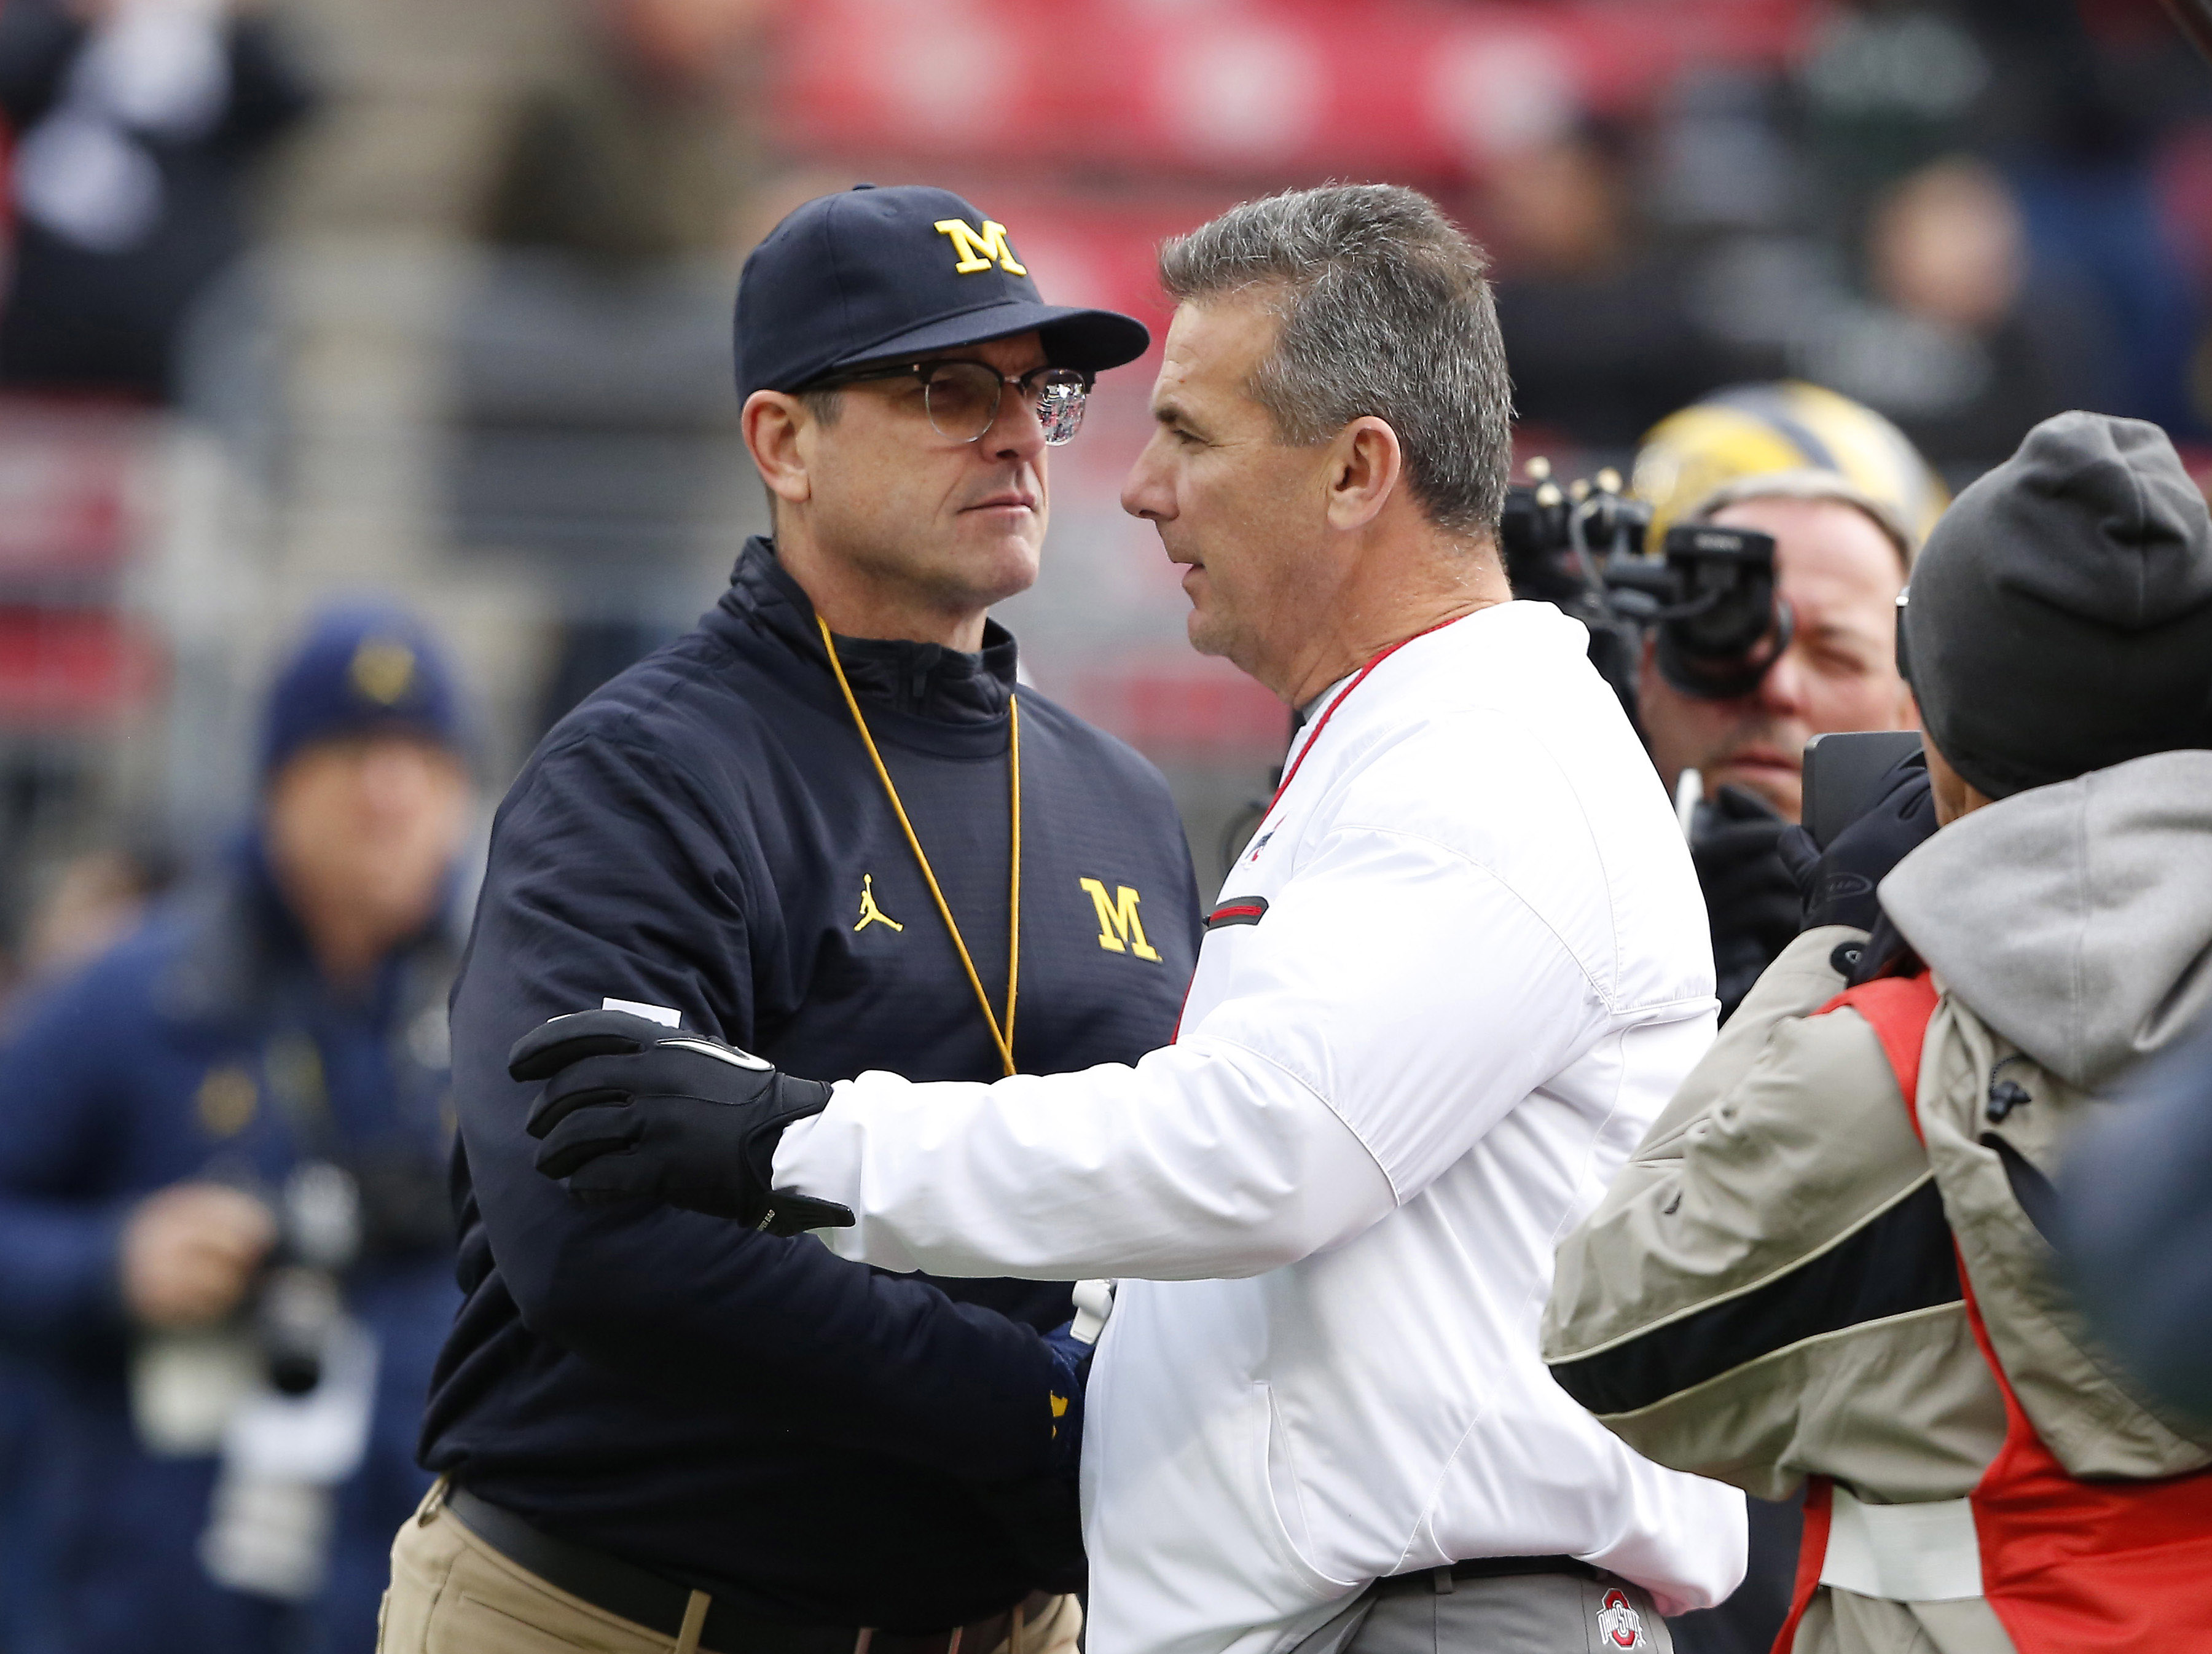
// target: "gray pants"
[[1520, 1614]]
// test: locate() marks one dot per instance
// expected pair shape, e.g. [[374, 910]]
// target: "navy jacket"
[[748, 1413], [2136, 1205], [176, 1056]]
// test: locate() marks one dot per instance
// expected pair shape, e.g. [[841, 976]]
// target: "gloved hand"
[[1042, 1515], [1071, 1362], [633, 1111], [1836, 885], [1750, 898]]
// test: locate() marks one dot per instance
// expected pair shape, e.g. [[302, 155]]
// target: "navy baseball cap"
[[874, 273]]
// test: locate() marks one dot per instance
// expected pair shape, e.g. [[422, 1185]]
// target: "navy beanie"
[[361, 670]]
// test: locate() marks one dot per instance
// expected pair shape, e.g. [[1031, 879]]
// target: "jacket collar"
[[923, 680]]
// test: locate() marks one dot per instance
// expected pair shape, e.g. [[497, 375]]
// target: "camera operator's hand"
[[189, 1253], [633, 1111], [1836, 885], [1749, 895]]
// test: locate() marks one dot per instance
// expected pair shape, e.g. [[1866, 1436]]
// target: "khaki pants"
[[452, 1594]]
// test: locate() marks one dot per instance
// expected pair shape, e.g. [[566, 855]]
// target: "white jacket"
[[1481, 969]]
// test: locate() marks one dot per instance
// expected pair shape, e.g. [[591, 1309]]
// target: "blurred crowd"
[[1967, 217], [1836, 277], [251, 352]]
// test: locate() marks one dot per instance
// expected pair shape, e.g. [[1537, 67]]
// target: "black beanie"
[[2059, 618]]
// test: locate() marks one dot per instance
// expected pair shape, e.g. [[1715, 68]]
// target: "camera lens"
[[299, 1311], [1728, 624]]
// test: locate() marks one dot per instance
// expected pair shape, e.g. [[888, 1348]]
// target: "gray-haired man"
[[1460, 968]]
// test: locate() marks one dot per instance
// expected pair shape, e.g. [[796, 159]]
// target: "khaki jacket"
[[1770, 1289]]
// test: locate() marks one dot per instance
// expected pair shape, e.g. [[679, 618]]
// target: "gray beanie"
[[2060, 616]]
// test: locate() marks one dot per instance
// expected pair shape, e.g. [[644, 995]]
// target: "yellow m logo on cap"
[[980, 251]]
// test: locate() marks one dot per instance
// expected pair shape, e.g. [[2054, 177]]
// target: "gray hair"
[[1384, 312], [1809, 482]]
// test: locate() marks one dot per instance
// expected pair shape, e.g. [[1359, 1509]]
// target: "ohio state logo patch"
[[1619, 1625]]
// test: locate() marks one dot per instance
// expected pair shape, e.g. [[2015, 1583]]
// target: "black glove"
[[633, 1111], [1042, 1515], [1836, 885], [1750, 898]]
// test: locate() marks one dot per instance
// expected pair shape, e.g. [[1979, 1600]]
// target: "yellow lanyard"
[[1002, 1037]]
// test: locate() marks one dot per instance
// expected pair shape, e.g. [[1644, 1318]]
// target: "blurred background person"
[[634, 154], [1991, 221], [1963, 344], [591, 420], [2073, 107], [1841, 558], [224, 1241], [1600, 329], [136, 122]]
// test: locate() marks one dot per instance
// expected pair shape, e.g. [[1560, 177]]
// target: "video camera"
[[1709, 592]]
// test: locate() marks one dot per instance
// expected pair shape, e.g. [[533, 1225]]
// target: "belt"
[[659, 1604], [1441, 1580]]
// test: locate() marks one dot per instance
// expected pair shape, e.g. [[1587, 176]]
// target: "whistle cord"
[[1002, 1037]]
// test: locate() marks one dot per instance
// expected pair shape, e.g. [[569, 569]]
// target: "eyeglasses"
[[961, 398]]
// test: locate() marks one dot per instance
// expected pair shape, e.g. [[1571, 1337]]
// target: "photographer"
[[224, 1235], [1818, 503], [1841, 558], [1830, 1264]]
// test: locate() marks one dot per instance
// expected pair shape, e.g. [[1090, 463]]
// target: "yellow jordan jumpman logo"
[[870, 913]]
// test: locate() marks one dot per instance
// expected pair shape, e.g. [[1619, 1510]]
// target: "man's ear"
[[1364, 467], [773, 423]]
